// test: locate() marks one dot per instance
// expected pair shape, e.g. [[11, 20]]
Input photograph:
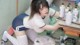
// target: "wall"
[[8, 12]]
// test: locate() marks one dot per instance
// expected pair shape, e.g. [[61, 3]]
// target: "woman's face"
[[43, 11]]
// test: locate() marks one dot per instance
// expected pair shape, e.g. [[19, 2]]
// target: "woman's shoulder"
[[36, 16]]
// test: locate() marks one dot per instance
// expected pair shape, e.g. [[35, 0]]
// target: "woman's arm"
[[51, 27]]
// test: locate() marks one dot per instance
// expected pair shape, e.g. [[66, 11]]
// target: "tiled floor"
[[9, 43]]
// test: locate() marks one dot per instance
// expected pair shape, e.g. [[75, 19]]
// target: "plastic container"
[[62, 11], [68, 19], [75, 15]]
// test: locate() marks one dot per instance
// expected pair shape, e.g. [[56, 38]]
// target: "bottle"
[[75, 14], [66, 11], [68, 19], [67, 8], [62, 10]]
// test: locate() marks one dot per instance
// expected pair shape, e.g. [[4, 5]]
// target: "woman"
[[39, 9]]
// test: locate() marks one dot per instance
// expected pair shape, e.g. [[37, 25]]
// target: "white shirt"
[[36, 22]]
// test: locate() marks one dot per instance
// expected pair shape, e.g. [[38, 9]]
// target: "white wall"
[[8, 12]]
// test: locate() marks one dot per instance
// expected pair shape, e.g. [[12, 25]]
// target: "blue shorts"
[[17, 23]]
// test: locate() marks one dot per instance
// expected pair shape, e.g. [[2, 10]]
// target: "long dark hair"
[[35, 6]]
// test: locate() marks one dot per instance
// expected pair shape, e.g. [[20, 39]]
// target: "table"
[[73, 29]]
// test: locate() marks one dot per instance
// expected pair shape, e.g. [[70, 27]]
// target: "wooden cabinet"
[[72, 31]]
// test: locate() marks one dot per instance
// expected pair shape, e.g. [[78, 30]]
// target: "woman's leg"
[[10, 32], [31, 34], [17, 24], [20, 39], [11, 38], [19, 31], [20, 35]]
